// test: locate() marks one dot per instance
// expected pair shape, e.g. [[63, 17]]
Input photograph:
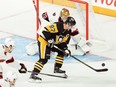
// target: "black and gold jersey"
[[57, 32]]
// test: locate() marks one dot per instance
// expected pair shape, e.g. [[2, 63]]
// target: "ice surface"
[[17, 17]]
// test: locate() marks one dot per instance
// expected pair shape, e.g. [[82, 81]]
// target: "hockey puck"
[[103, 64], [54, 14]]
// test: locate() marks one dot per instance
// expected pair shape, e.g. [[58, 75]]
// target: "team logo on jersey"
[[61, 38]]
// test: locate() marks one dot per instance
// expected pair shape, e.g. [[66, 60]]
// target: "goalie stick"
[[65, 76], [97, 70]]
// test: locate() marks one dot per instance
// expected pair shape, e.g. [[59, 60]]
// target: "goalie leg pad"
[[32, 48]]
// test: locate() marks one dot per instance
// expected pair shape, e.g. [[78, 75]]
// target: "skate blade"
[[34, 81], [61, 74]]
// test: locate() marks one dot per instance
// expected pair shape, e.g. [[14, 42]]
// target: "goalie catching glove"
[[23, 69]]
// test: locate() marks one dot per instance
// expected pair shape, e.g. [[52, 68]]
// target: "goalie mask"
[[64, 12]]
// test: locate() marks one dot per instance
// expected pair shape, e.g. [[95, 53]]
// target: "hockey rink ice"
[[17, 20]]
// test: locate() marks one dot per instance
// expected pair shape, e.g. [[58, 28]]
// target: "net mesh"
[[86, 22]]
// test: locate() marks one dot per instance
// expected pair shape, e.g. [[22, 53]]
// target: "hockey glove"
[[67, 53], [75, 32], [45, 16], [51, 43], [23, 69]]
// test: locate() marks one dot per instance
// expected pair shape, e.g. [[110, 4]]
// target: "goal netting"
[[82, 11], [89, 26]]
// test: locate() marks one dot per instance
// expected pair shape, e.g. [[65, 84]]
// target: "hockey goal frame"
[[76, 1], [86, 14]]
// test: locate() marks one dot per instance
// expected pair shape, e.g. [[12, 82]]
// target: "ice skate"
[[34, 78], [58, 70]]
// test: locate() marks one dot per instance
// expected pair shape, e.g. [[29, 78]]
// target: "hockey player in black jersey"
[[52, 36], [64, 14]]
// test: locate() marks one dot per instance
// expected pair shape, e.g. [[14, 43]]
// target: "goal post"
[[36, 6], [86, 8], [37, 20]]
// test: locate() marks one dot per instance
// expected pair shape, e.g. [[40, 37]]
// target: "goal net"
[[90, 27], [82, 11]]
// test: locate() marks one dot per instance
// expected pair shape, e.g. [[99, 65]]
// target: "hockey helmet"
[[64, 12], [9, 42], [71, 21]]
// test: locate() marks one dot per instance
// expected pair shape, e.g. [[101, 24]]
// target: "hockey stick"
[[97, 70], [65, 76]]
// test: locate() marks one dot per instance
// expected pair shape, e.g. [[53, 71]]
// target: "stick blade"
[[101, 70]]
